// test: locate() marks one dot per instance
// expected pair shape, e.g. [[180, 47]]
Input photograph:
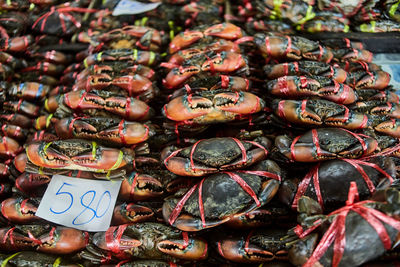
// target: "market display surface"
[[197, 133]]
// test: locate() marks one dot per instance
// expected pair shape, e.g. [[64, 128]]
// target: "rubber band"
[[179, 206], [242, 183], [315, 139], [281, 108], [225, 81], [113, 243], [5, 262], [283, 85], [201, 206], [246, 244], [393, 9], [289, 45], [133, 185], [118, 162]]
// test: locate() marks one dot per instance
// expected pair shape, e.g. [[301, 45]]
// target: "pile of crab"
[[232, 148]]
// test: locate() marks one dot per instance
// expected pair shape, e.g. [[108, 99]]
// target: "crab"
[[214, 155], [390, 127], [231, 63], [326, 143], [373, 225], [209, 107], [322, 113], [201, 207], [77, 154], [305, 67], [18, 210], [98, 103], [319, 182], [145, 241], [112, 130], [185, 39], [303, 86], [43, 238]]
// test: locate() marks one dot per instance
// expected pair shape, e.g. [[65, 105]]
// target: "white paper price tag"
[[131, 7], [79, 203]]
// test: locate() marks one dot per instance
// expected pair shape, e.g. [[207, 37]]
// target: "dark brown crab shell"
[[338, 171], [218, 210], [215, 154], [326, 143]]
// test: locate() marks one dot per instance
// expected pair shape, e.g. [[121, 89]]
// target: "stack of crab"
[[245, 131], [313, 16]]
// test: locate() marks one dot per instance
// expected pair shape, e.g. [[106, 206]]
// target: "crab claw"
[[391, 127], [8, 147], [131, 133], [130, 213], [140, 187], [12, 240], [293, 86], [358, 55], [323, 54], [339, 93], [19, 210], [235, 250], [134, 84], [63, 240], [104, 159], [351, 121], [374, 80], [187, 107], [96, 81], [390, 109], [101, 240], [41, 154], [77, 100], [227, 31], [30, 183], [238, 102], [191, 249], [70, 127], [224, 62], [184, 39], [20, 161], [179, 75], [296, 112]]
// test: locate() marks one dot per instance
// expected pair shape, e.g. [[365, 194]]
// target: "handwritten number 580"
[[86, 201]]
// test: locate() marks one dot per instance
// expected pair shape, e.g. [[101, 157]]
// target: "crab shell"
[[328, 143], [88, 157], [219, 107], [118, 132], [216, 210], [214, 155], [339, 171]]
